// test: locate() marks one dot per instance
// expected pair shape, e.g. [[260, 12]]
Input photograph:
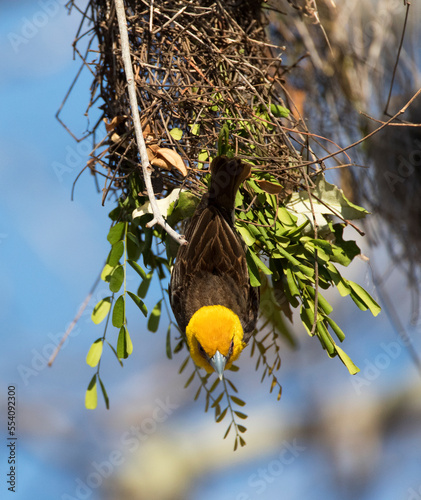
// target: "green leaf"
[[115, 213], [190, 380], [271, 310], [365, 297], [94, 353], [279, 111], [339, 333], [116, 233], [228, 430], [322, 302], [144, 286], [163, 205], [223, 140], [249, 240], [217, 400], [325, 338], [360, 304], [91, 396], [168, 344], [116, 279], [124, 343], [137, 268], [307, 317], [176, 133], [240, 415], [286, 218], [133, 247], [202, 157], [101, 310], [293, 288], [104, 393], [119, 312], [298, 230], [139, 302], [237, 401], [259, 263], [154, 318], [343, 251], [214, 385], [116, 253], [221, 415], [184, 364], [332, 202], [344, 289], [231, 384], [253, 270], [115, 353], [347, 361], [132, 237], [106, 273], [183, 208], [195, 129]]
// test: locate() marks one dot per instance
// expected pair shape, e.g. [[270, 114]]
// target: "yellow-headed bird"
[[213, 302]]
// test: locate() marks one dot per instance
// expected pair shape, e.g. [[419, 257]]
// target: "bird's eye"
[[201, 350], [231, 349]]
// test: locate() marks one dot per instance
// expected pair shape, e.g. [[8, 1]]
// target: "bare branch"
[[74, 322], [146, 167]]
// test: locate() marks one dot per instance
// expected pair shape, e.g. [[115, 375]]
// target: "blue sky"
[[52, 250]]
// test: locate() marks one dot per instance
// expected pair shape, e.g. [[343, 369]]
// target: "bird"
[[214, 304]]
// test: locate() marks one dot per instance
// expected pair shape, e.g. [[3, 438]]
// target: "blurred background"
[[330, 436]]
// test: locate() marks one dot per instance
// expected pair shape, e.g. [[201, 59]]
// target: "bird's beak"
[[218, 362]]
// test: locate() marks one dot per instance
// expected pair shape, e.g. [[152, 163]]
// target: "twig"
[[347, 222], [73, 323], [146, 167], [402, 124], [316, 264], [384, 124], [386, 110]]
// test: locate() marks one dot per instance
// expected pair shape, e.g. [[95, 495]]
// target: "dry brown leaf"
[[109, 126], [172, 160], [115, 137], [151, 149], [147, 131], [160, 163], [270, 187]]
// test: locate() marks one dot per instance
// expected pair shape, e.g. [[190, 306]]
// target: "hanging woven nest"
[[199, 68]]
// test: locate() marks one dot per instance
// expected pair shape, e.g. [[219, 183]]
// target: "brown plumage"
[[212, 269]]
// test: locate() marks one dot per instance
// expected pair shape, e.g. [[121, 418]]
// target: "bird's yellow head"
[[215, 338]]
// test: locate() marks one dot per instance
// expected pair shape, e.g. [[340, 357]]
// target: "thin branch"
[[316, 264], [73, 323], [384, 124], [146, 167], [386, 110]]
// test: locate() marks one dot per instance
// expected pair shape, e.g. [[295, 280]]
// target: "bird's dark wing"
[[212, 269]]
